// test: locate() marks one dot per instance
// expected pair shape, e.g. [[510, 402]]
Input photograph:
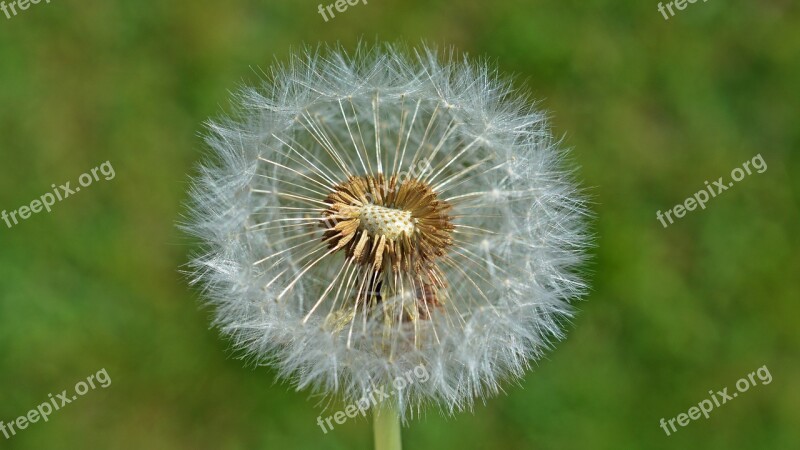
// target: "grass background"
[[652, 108]]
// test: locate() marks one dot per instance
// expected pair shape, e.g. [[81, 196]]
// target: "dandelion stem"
[[387, 427]]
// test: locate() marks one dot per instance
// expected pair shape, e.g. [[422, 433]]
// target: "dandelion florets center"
[[389, 224], [382, 221]]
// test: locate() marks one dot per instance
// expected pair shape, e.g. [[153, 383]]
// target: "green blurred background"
[[652, 108]]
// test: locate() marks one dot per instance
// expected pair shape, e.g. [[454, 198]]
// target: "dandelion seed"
[[368, 214]]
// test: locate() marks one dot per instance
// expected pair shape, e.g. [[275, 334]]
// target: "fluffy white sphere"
[[368, 214]]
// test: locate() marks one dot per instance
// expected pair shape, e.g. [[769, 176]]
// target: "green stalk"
[[387, 427]]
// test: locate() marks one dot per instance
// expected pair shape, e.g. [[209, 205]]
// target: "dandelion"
[[367, 214]]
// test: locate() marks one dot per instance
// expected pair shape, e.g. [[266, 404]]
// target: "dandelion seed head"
[[365, 214]]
